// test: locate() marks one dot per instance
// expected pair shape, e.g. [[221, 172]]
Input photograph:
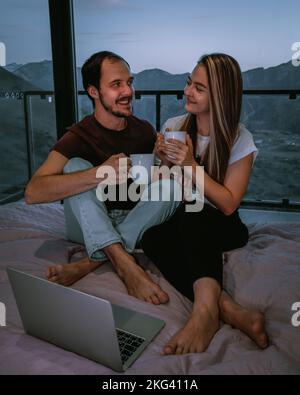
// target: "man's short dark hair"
[[91, 70]]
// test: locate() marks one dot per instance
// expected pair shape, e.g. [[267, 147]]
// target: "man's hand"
[[115, 169]]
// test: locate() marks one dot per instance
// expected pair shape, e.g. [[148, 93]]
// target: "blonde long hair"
[[225, 86]]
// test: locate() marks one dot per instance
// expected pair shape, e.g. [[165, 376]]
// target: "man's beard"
[[109, 109]]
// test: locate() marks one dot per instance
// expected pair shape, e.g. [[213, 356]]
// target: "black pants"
[[189, 246]]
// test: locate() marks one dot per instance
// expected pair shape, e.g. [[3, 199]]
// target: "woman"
[[188, 248]]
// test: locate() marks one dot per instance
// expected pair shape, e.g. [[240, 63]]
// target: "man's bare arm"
[[49, 184]]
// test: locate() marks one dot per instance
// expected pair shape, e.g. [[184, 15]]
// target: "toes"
[[263, 341], [187, 349], [162, 297], [53, 273], [198, 349], [50, 272], [174, 347], [147, 299], [179, 350], [53, 270], [169, 349], [258, 333], [155, 300], [53, 279]]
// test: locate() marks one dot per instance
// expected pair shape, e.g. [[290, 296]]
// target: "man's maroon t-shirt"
[[93, 142]]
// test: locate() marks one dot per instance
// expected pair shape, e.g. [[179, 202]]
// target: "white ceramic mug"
[[141, 170], [175, 135]]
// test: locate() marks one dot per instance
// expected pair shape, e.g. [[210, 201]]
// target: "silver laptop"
[[89, 326]]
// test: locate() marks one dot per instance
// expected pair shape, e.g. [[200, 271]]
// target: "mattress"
[[265, 275]]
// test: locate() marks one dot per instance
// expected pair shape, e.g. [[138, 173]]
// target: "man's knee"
[[76, 164]]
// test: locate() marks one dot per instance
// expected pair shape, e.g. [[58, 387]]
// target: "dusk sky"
[[166, 34]]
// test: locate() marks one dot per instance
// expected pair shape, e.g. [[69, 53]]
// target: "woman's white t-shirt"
[[243, 146]]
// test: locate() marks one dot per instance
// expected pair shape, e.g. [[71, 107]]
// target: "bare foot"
[[251, 322], [196, 335], [68, 274], [140, 284]]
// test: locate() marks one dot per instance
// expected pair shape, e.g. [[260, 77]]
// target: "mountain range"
[[283, 76], [12, 82]]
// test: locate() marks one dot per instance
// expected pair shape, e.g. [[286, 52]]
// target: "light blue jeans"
[[88, 221]]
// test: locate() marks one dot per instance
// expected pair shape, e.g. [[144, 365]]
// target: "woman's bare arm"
[[228, 197]]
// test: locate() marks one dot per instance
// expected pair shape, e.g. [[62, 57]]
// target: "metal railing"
[[13, 197], [292, 94]]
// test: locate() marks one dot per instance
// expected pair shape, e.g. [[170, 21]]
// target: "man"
[[109, 230]]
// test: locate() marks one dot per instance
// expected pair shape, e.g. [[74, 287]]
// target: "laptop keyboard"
[[128, 344]]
